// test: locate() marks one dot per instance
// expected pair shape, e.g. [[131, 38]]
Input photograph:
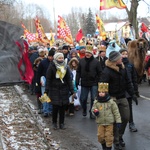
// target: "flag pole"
[[54, 16]]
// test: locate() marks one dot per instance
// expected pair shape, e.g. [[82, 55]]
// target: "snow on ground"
[[20, 127]]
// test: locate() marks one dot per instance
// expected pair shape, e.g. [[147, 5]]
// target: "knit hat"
[[122, 50], [73, 51], [89, 49], [65, 47], [57, 55], [114, 56], [51, 53]]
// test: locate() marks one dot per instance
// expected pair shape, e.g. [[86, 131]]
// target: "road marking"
[[145, 97]]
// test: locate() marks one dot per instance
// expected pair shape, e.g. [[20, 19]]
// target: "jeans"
[[47, 108], [84, 96]]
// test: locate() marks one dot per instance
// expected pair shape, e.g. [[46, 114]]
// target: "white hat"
[[57, 55]]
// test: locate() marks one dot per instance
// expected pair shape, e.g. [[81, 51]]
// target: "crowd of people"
[[71, 74]]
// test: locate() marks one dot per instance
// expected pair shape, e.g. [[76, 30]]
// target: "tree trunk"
[[132, 15]]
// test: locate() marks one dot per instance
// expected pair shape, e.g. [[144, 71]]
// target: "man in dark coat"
[[89, 71], [116, 75]]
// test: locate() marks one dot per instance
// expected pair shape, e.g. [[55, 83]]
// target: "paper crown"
[[101, 47], [103, 87], [89, 49]]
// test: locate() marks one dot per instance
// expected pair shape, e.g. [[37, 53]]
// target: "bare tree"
[[132, 14]]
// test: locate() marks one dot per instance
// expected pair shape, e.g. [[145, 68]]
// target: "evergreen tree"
[[90, 25]]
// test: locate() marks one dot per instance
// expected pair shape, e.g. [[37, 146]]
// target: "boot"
[[121, 141], [104, 146], [117, 147], [132, 127]]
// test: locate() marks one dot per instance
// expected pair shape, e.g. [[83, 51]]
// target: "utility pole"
[[55, 29]]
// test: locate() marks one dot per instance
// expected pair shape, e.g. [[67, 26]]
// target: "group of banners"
[[63, 30]]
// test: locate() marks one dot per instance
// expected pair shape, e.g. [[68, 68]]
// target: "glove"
[[96, 112], [134, 98], [118, 125]]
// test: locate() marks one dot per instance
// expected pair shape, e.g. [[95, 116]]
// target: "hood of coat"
[[113, 65]]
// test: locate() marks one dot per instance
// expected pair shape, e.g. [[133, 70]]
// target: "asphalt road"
[[134, 141], [87, 128]]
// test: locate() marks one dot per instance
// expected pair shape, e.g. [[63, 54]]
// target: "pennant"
[[30, 36], [79, 35], [108, 4], [63, 31], [41, 34], [100, 25]]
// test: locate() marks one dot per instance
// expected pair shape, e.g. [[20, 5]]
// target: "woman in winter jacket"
[[58, 86]]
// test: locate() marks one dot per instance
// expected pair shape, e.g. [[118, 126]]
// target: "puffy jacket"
[[56, 90], [108, 112], [131, 74], [91, 77]]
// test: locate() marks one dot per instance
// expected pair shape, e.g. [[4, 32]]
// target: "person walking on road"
[[107, 113], [58, 87], [88, 71], [41, 72], [116, 75], [133, 77]]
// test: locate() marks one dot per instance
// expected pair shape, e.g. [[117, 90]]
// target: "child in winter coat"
[[107, 113]]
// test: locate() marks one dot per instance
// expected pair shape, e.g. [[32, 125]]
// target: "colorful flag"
[[30, 36], [100, 25], [79, 35], [108, 4], [41, 34], [63, 31]]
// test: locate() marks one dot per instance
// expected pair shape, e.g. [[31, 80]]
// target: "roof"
[[114, 26]]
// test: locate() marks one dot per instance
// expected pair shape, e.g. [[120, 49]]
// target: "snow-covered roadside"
[[21, 128]]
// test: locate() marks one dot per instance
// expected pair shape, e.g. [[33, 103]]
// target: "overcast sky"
[[64, 6]]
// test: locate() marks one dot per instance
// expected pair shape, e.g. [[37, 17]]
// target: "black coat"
[[58, 91], [102, 61], [41, 71], [91, 76], [131, 74], [118, 80]]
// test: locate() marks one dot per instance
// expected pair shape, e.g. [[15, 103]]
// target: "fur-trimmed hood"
[[112, 65], [70, 62]]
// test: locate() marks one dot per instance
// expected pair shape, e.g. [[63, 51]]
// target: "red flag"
[[108, 4], [27, 74], [144, 28], [79, 35]]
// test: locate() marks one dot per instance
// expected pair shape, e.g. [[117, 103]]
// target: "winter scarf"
[[61, 69], [88, 60], [103, 99]]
